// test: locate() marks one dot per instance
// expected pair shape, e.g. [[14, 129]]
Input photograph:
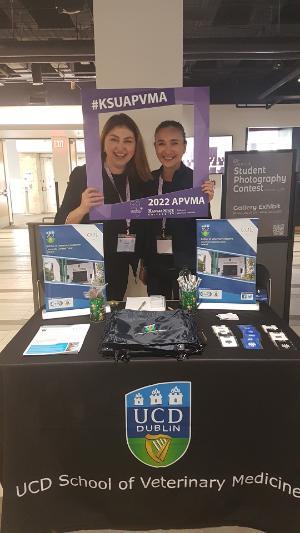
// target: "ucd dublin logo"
[[158, 422], [50, 237], [205, 230]]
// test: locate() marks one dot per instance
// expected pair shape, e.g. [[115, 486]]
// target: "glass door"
[[77, 152], [4, 194], [47, 183], [30, 175]]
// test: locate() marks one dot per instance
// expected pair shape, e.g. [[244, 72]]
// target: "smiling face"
[[170, 147], [119, 147]]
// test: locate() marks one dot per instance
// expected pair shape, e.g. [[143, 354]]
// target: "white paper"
[[228, 316], [146, 303], [57, 339]]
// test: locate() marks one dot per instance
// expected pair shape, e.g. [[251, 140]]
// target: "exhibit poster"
[[260, 184], [73, 261], [226, 263], [147, 108]]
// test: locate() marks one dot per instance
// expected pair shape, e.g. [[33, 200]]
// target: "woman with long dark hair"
[[125, 172]]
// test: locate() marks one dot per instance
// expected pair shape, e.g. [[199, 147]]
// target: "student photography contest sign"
[[258, 184]]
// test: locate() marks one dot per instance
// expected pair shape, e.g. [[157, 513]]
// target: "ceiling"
[[246, 51]]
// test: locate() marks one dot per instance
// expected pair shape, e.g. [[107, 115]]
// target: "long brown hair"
[[138, 166]]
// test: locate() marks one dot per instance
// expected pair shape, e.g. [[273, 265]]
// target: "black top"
[[72, 198], [182, 230]]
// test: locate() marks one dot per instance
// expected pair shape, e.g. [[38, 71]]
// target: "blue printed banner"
[[73, 260], [226, 261]]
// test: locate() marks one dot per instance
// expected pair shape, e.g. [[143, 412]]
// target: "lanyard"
[[164, 220], [108, 172]]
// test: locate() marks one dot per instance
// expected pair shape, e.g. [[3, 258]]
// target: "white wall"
[[140, 59], [229, 120], [224, 120], [134, 46]]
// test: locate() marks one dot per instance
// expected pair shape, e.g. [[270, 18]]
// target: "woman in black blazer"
[[160, 270], [126, 175]]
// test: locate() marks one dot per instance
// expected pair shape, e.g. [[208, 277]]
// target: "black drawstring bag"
[[151, 333]]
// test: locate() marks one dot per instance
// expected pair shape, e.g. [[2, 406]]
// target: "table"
[[66, 462]]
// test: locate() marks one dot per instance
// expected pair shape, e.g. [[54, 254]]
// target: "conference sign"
[[147, 108]]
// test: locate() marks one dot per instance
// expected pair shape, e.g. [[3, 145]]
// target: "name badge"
[[164, 246], [126, 243]]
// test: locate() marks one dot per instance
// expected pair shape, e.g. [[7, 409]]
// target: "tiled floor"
[[16, 304]]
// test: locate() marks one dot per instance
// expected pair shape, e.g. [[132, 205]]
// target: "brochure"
[[50, 340], [73, 261], [226, 263]]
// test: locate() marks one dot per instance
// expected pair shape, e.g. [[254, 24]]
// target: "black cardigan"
[[111, 228], [182, 230]]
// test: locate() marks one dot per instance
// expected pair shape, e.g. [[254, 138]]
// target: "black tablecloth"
[[64, 419]]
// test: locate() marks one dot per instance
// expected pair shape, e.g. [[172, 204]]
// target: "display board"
[[73, 260], [260, 184], [99, 105], [226, 262]]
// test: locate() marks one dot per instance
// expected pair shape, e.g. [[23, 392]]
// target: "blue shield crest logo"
[[50, 237], [158, 422]]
